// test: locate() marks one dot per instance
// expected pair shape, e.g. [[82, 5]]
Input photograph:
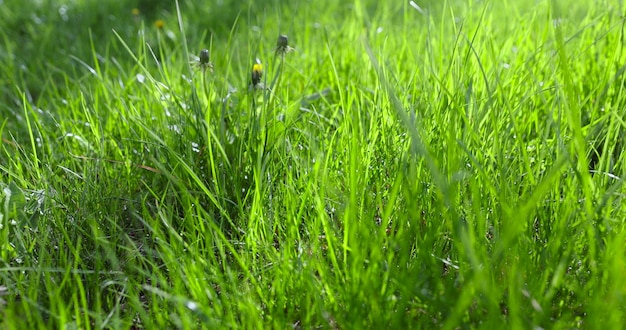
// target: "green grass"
[[456, 166]]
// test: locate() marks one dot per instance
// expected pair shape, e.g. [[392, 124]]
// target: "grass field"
[[429, 164]]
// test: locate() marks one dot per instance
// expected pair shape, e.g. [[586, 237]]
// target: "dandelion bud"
[[283, 41], [282, 45], [202, 62], [204, 57]]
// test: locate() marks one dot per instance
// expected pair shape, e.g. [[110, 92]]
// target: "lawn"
[[312, 164]]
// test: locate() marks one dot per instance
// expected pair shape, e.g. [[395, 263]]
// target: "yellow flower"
[[257, 73], [159, 24], [135, 12]]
